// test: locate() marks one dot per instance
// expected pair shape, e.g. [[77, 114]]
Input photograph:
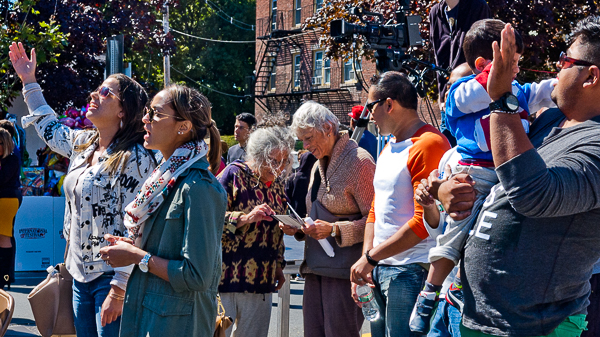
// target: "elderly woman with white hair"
[[339, 199], [252, 241]]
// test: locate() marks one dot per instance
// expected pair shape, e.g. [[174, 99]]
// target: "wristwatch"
[[508, 103], [144, 263], [333, 230]]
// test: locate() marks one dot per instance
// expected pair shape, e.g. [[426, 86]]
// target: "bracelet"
[[116, 296], [370, 259]]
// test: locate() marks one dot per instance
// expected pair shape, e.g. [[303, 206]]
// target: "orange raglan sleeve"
[[423, 157], [371, 216]]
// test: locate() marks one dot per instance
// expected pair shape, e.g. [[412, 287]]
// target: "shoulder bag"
[[316, 259], [223, 322], [52, 302]]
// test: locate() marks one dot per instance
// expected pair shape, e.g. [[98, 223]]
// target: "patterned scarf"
[[158, 185]]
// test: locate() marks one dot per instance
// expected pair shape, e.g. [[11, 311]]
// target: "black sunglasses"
[[152, 114], [370, 106], [565, 62]]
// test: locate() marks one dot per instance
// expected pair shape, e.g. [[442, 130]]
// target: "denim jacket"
[[186, 230], [103, 197]]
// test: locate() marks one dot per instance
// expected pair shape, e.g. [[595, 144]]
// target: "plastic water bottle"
[[370, 308]]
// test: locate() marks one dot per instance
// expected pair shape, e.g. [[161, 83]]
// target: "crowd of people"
[[492, 237]]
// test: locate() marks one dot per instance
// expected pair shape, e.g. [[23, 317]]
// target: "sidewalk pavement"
[[23, 324]]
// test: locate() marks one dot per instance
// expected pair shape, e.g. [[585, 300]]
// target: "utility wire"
[[205, 86], [210, 40], [228, 17]]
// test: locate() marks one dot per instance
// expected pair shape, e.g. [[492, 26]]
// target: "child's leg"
[[439, 270]]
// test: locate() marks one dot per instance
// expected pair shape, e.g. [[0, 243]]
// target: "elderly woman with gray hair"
[[252, 241], [339, 199]]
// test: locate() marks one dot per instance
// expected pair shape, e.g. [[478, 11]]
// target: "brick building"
[[291, 66]]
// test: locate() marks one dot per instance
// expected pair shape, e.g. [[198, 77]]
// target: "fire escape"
[[276, 48]]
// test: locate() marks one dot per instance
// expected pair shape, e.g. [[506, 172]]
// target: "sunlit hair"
[[133, 100], [191, 105], [9, 126], [9, 145], [314, 115], [263, 143], [588, 33]]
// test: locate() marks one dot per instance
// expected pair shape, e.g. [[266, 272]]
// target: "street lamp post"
[[167, 57]]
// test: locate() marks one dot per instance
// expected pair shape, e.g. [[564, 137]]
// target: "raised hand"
[[501, 75], [24, 66]]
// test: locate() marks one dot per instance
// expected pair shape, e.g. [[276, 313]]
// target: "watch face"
[[143, 267], [512, 103]]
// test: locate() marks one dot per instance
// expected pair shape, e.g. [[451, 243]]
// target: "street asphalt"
[[23, 324]]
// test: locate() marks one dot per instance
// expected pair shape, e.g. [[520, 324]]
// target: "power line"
[[205, 86], [228, 17], [210, 40]]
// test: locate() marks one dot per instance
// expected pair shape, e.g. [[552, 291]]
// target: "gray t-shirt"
[[236, 152], [529, 259]]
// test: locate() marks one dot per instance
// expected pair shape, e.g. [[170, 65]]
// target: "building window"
[[318, 4], [350, 69], [273, 77], [327, 71], [318, 69], [297, 71], [298, 18], [322, 69], [273, 14]]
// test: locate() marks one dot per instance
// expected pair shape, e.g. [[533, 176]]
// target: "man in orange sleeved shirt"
[[396, 244]]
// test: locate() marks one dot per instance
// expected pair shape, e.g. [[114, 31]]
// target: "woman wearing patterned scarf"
[[174, 223]]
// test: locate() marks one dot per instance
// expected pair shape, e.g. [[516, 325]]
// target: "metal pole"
[[167, 57]]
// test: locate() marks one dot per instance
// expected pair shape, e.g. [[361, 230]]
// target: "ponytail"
[[214, 151]]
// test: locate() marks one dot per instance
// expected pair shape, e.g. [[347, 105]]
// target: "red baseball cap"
[[356, 112]]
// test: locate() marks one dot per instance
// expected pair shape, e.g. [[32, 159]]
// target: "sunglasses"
[[154, 116], [104, 91], [565, 62], [371, 105]]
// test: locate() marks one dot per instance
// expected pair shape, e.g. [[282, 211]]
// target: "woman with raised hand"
[[175, 223], [107, 165]]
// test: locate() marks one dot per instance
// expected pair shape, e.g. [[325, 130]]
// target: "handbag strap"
[[316, 184], [220, 307]]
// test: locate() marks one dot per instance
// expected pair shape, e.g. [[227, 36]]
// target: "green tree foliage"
[[70, 40], [19, 21], [200, 64]]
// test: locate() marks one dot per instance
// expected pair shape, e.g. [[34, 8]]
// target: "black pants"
[[593, 316]]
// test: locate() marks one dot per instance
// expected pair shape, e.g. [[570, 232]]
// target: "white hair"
[[314, 115], [263, 142]]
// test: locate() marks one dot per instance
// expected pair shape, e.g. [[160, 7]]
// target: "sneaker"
[[420, 318], [455, 297]]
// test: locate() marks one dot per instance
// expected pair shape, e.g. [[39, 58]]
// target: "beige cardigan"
[[350, 175]]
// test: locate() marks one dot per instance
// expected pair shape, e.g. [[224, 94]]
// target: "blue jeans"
[[446, 322], [87, 305], [396, 290]]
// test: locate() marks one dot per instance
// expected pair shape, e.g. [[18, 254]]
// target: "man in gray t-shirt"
[[243, 127], [527, 264]]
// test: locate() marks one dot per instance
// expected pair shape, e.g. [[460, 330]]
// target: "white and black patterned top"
[[95, 199]]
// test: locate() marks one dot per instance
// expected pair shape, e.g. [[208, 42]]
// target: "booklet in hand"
[[289, 220]]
